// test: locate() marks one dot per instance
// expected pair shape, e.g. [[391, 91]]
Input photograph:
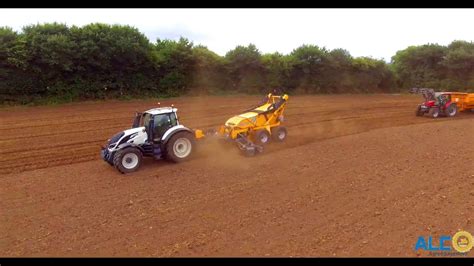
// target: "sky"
[[378, 33]]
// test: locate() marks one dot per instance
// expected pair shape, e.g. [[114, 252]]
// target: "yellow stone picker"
[[256, 126]]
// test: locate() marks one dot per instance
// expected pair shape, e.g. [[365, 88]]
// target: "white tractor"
[[154, 133]]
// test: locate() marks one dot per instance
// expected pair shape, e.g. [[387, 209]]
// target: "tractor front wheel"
[[434, 112], [419, 112], [128, 160]]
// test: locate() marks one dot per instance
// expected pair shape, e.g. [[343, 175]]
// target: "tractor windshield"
[[157, 124], [442, 99], [161, 123]]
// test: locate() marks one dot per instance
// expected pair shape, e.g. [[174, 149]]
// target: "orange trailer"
[[464, 101]]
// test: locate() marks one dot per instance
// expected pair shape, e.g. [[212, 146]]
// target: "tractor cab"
[[156, 122], [442, 99]]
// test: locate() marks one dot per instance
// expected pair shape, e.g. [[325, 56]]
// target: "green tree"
[[459, 61], [277, 70], [245, 69], [209, 73], [308, 62], [337, 71], [48, 56], [371, 75], [15, 82], [113, 59], [100, 60], [420, 66], [175, 62]]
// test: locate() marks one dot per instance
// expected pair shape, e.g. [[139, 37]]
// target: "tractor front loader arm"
[[428, 94]]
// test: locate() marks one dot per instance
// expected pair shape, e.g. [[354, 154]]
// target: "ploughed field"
[[359, 175]]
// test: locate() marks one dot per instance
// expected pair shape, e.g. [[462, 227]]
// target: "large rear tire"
[[128, 160], [452, 110], [180, 146]]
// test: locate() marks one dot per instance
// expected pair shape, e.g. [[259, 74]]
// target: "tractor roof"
[[161, 110]]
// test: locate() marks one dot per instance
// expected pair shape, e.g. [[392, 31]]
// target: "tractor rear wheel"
[[279, 134], [452, 110], [128, 160], [180, 146], [434, 112]]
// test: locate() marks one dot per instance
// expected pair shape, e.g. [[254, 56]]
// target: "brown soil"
[[358, 176]]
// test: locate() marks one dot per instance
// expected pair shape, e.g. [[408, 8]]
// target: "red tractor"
[[436, 103]]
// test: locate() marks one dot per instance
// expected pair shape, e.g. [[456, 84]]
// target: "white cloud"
[[363, 32]]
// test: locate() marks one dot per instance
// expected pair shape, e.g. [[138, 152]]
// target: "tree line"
[[101, 61]]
